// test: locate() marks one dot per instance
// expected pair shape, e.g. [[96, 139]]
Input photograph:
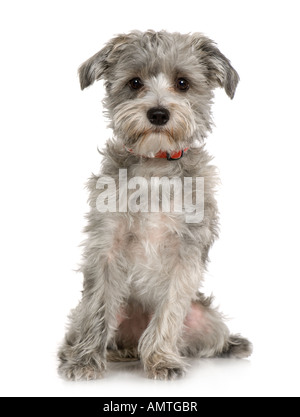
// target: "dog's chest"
[[155, 187], [152, 251], [152, 237]]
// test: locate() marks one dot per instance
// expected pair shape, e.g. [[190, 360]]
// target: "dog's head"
[[159, 87]]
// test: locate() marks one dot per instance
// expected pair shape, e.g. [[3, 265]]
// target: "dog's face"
[[159, 87]]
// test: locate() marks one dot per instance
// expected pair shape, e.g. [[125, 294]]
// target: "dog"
[[143, 269]]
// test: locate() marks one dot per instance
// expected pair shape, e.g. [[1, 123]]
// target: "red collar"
[[174, 156]]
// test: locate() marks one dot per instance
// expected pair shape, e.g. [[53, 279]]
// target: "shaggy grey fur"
[[141, 270]]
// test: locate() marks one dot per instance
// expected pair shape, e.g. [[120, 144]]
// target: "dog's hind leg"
[[206, 334]]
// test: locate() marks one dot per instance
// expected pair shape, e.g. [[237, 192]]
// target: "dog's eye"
[[182, 84], [136, 83]]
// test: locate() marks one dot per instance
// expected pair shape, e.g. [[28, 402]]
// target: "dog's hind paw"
[[237, 347]]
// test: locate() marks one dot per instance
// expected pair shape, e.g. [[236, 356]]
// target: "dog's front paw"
[[165, 373], [159, 367], [80, 369], [78, 372]]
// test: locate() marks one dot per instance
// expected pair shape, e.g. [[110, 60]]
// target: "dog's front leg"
[[158, 346], [93, 323]]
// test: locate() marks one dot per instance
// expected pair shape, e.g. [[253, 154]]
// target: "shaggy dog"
[[145, 257]]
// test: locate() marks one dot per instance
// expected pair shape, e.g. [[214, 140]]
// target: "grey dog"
[[143, 270]]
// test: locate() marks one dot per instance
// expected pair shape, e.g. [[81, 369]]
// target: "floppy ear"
[[96, 67], [219, 70]]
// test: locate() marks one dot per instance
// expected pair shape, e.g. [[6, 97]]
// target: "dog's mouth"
[[147, 138], [151, 141], [169, 133]]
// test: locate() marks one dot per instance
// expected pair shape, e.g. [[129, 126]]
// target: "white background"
[[49, 136]]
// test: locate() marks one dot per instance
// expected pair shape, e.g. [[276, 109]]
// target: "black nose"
[[158, 116]]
